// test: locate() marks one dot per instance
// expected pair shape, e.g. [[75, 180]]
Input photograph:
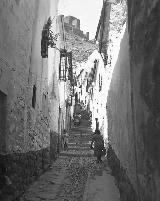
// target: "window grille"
[[70, 71], [63, 65]]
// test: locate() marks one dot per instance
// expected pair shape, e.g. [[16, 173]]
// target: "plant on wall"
[[48, 38], [52, 38]]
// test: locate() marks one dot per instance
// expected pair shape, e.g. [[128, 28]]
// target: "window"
[[100, 82], [44, 105], [63, 65], [34, 97]]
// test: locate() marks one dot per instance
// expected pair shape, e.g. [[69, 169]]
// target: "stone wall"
[[81, 49], [123, 182], [134, 106], [72, 24], [26, 134], [72, 21], [144, 40], [120, 126], [23, 169], [78, 32], [19, 73]]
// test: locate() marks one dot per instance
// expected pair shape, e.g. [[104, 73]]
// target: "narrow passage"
[[75, 176]]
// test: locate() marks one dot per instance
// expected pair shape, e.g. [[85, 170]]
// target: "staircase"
[[79, 140]]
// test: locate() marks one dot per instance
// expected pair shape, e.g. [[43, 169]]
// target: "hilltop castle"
[[72, 24]]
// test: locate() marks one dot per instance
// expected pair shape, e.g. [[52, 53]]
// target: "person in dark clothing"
[[98, 145], [65, 136], [5, 183]]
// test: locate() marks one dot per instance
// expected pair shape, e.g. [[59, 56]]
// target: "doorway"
[[3, 112]]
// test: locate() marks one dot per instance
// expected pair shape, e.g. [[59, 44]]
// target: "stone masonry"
[[24, 134], [72, 24], [134, 106]]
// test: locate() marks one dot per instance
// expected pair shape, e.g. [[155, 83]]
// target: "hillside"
[[81, 49]]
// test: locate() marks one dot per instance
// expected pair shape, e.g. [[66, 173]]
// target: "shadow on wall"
[[55, 145], [125, 187]]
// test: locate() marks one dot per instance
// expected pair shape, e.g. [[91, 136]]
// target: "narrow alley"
[[79, 100], [75, 175]]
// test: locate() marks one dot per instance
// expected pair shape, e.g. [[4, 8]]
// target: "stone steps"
[[82, 145], [79, 148], [79, 141], [67, 154], [87, 138], [81, 134], [80, 137], [81, 128]]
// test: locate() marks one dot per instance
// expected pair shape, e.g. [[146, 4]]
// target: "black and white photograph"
[[79, 100]]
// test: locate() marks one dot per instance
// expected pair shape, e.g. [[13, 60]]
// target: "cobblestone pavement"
[[71, 176]]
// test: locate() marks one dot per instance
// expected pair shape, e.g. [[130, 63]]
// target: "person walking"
[[65, 135], [98, 142]]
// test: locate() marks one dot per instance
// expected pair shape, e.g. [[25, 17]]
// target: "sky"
[[88, 11]]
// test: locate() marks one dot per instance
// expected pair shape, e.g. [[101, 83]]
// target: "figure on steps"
[[65, 136], [98, 142]]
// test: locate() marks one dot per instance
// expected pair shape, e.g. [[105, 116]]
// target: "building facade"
[[133, 98], [91, 90], [30, 110]]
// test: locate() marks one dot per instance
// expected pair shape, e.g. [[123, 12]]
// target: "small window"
[[100, 82], [44, 105], [34, 97]]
